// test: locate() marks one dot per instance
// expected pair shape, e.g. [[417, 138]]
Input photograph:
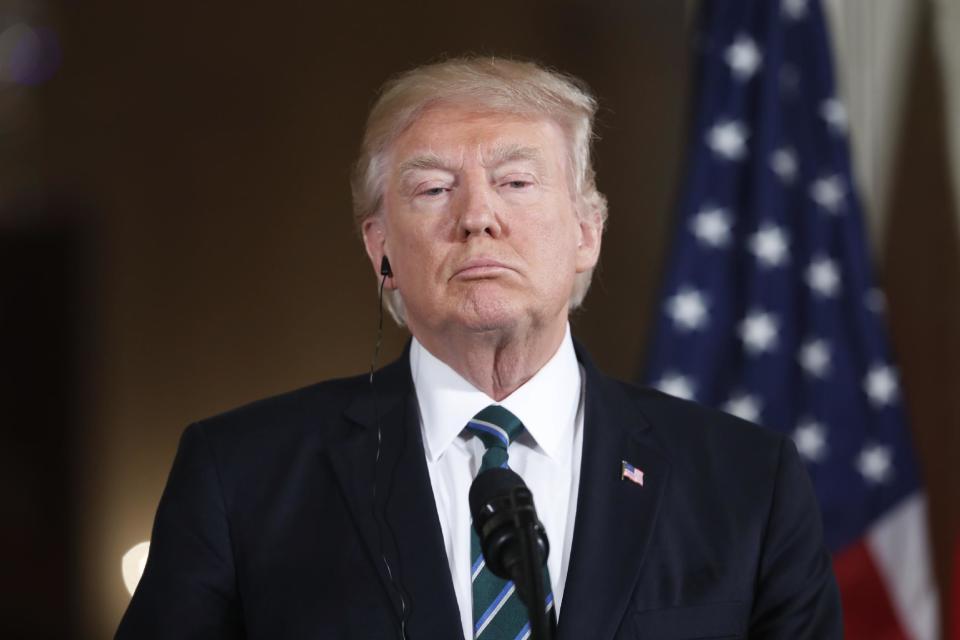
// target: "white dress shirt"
[[546, 455]]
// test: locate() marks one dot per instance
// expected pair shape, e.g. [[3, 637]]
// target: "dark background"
[[176, 239]]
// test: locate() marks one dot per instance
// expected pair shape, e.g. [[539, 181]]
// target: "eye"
[[517, 184], [517, 181], [433, 191]]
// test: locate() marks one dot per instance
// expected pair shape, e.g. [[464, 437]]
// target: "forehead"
[[456, 131]]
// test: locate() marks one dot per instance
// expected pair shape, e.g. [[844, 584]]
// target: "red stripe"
[[867, 611]]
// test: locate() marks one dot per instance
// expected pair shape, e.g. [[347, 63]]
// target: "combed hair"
[[482, 83]]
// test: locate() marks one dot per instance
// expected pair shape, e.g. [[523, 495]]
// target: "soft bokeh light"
[[28, 55], [133, 564]]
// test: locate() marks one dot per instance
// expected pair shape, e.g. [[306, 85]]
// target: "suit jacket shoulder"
[[740, 459], [738, 540], [289, 416], [265, 526]]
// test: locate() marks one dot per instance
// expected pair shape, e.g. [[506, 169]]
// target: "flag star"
[[833, 111], [814, 357], [823, 277], [759, 332], [875, 463], [728, 139], [676, 385], [784, 164], [770, 244], [688, 309], [744, 57], [829, 192], [811, 440], [712, 226], [881, 385], [744, 406], [794, 9]]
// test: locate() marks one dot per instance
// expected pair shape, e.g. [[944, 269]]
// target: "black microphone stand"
[[529, 578], [514, 543]]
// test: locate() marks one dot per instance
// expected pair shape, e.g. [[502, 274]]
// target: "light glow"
[[133, 564]]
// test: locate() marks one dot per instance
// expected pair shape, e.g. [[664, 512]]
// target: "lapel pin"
[[631, 473]]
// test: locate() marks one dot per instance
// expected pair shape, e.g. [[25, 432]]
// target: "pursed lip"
[[480, 268]]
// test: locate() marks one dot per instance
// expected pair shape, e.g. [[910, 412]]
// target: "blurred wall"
[[920, 273], [207, 150], [947, 20]]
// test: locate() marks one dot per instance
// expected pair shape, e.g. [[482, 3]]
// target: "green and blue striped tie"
[[498, 612]]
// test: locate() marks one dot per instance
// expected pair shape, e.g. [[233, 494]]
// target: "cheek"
[[555, 240], [418, 257], [418, 227]]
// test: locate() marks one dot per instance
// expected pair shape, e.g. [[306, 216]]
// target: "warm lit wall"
[[947, 19]]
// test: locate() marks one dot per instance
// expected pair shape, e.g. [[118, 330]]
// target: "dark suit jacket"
[[268, 527]]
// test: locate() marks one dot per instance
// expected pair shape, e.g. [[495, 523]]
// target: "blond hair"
[[483, 83]]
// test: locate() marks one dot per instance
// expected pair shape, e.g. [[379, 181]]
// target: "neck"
[[497, 363]]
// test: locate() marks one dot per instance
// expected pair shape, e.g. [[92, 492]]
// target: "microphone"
[[501, 504], [513, 541]]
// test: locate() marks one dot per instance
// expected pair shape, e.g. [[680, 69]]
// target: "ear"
[[375, 241], [588, 245]]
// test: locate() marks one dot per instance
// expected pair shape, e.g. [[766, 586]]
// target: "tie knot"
[[497, 428]]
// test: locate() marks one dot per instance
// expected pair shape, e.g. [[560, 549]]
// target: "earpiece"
[[380, 518]]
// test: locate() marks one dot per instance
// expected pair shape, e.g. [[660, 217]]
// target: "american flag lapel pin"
[[631, 473]]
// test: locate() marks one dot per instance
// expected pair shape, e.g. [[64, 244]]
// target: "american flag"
[[631, 473], [770, 311]]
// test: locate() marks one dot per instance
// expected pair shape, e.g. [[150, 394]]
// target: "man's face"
[[479, 223]]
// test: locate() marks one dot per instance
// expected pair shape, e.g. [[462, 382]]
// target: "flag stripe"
[[867, 611], [901, 554]]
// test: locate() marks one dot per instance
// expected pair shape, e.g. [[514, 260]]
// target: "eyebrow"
[[502, 154], [499, 155], [426, 161]]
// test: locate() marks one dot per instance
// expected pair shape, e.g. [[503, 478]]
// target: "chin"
[[488, 313]]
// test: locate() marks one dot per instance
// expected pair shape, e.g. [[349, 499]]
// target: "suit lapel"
[[409, 533], [615, 517]]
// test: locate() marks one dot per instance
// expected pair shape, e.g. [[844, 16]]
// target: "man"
[[340, 510]]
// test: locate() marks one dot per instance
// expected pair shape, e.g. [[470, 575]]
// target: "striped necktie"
[[498, 612]]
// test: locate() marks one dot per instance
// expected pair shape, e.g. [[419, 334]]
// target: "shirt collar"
[[546, 404]]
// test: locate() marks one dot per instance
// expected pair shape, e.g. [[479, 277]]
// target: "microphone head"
[[491, 486], [502, 505]]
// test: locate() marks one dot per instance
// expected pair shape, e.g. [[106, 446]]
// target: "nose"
[[478, 214]]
